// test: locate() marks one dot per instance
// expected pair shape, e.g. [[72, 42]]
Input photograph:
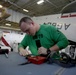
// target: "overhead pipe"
[[71, 7]]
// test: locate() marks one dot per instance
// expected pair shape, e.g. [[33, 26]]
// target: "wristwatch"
[[48, 51]]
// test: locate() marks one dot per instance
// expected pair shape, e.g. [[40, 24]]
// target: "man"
[[48, 37]]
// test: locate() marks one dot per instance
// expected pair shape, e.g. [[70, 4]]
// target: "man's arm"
[[22, 47], [43, 50], [54, 48], [23, 52], [62, 42]]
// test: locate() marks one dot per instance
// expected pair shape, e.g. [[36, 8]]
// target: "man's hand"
[[42, 50], [23, 52]]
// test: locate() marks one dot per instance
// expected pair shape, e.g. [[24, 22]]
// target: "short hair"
[[25, 19]]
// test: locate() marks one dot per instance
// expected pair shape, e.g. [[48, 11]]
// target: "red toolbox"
[[37, 59]]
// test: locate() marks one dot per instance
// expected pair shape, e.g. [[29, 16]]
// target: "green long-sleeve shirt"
[[48, 36]]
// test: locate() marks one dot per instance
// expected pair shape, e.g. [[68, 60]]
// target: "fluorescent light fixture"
[[40, 1], [8, 24], [25, 10], [1, 6]]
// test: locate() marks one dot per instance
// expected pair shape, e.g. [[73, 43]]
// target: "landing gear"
[[64, 58]]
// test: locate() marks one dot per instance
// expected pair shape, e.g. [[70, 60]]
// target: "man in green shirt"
[[47, 36]]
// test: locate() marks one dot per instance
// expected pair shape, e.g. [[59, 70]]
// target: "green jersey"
[[48, 36]]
